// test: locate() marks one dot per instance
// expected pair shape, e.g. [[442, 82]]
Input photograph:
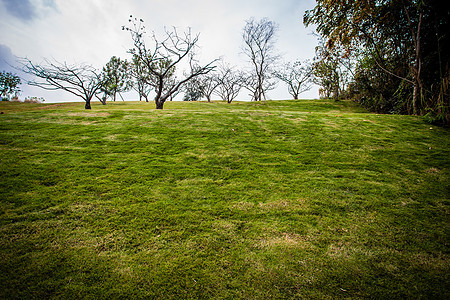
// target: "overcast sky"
[[90, 31]]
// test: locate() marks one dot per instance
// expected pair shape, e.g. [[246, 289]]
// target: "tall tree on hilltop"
[[160, 60], [259, 47]]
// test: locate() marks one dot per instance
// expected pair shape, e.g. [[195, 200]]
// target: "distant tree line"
[[153, 68], [391, 56]]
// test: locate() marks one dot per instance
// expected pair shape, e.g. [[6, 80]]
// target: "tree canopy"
[[399, 47], [116, 77], [9, 84]]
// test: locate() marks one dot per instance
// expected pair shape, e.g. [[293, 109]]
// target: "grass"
[[272, 200]]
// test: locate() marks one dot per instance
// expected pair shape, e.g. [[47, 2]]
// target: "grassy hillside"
[[280, 199]]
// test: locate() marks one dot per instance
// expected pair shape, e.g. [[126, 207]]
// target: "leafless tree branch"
[[167, 53], [297, 76], [229, 82], [259, 47], [81, 80]]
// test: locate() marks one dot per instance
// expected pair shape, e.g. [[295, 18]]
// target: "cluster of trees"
[[153, 68], [9, 85], [392, 56], [259, 46]]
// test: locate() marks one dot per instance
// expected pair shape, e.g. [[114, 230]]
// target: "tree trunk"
[[88, 104], [416, 35], [159, 104], [415, 99]]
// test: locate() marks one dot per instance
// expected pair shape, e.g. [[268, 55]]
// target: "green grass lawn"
[[272, 200]]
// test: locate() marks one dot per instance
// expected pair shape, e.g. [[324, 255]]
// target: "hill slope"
[[279, 199]]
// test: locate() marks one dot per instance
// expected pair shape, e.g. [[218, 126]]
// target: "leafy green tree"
[[9, 84], [408, 40], [333, 69], [116, 77], [193, 90], [141, 76]]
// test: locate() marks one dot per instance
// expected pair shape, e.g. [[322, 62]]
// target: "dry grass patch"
[[298, 120], [284, 240], [87, 114], [221, 225], [433, 171], [283, 204], [243, 206]]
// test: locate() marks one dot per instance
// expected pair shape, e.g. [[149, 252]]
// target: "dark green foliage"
[[256, 200], [9, 85], [192, 95], [116, 77], [400, 50], [194, 90]]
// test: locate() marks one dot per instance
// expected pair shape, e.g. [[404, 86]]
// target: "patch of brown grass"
[[284, 240]]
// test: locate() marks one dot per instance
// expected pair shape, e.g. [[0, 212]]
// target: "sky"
[[89, 31]]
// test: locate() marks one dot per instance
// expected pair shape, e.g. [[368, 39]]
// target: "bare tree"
[[251, 83], [210, 83], [81, 80], [230, 82], [164, 56], [259, 47], [297, 76]]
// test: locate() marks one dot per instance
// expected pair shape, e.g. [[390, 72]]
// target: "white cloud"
[[90, 30]]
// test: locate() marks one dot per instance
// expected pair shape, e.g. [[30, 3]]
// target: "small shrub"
[[34, 100]]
